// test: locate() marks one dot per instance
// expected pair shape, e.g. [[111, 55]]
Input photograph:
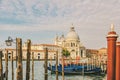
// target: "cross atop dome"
[[72, 28]]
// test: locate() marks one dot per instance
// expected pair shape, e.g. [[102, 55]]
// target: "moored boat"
[[75, 69]]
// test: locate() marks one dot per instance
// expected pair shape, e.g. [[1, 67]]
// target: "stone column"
[[111, 48], [118, 61]]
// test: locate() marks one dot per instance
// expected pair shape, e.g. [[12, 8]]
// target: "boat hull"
[[75, 70]]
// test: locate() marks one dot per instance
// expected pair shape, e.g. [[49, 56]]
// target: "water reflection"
[[39, 73]]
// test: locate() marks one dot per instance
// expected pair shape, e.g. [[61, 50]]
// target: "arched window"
[[71, 44], [38, 55], [72, 50], [9, 55], [76, 45]]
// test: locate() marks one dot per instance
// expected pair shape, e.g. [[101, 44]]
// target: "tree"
[[65, 53]]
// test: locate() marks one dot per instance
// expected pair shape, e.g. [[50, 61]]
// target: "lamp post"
[[9, 43]]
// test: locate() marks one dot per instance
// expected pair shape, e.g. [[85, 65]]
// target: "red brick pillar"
[[111, 47], [118, 61]]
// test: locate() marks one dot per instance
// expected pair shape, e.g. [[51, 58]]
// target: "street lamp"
[[9, 43]]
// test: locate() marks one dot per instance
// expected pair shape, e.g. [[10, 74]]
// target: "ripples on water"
[[39, 73]]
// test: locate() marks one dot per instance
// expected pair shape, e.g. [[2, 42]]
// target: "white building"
[[37, 49], [72, 43]]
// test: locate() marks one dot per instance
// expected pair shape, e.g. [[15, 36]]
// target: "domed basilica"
[[72, 43]]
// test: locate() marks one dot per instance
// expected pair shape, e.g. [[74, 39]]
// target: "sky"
[[42, 20]]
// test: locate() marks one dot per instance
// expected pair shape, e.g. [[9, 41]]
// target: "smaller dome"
[[72, 35], [62, 38]]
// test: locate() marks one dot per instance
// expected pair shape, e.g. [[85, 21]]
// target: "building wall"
[[92, 52], [103, 54], [38, 54]]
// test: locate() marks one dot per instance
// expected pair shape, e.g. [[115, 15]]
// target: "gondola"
[[75, 69]]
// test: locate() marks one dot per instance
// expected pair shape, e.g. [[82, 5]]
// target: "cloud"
[[90, 18], [57, 11]]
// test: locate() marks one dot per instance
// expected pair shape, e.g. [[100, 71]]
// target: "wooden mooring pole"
[[46, 64], [87, 64], [33, 66], [1, 71], [56, 65], [6, 65], [19, 60], [62, 67], [12, 65], [83, 70], [51, 63], [28, 59], [16, 51]]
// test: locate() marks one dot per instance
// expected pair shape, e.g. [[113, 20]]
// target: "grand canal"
[[39, 73]]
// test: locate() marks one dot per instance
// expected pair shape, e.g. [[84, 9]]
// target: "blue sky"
[[41, 20]]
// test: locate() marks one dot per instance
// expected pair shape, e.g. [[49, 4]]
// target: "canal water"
[[39, 73]]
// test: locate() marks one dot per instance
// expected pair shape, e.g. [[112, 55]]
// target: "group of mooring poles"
[[19, 61], [5, 74], [46, 65], [19, 72]]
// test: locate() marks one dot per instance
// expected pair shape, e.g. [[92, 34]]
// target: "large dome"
[[72, 35]]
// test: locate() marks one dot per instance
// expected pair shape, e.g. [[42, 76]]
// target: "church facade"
[[72, 43]]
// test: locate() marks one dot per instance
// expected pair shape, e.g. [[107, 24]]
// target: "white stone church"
[[72, 43]]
